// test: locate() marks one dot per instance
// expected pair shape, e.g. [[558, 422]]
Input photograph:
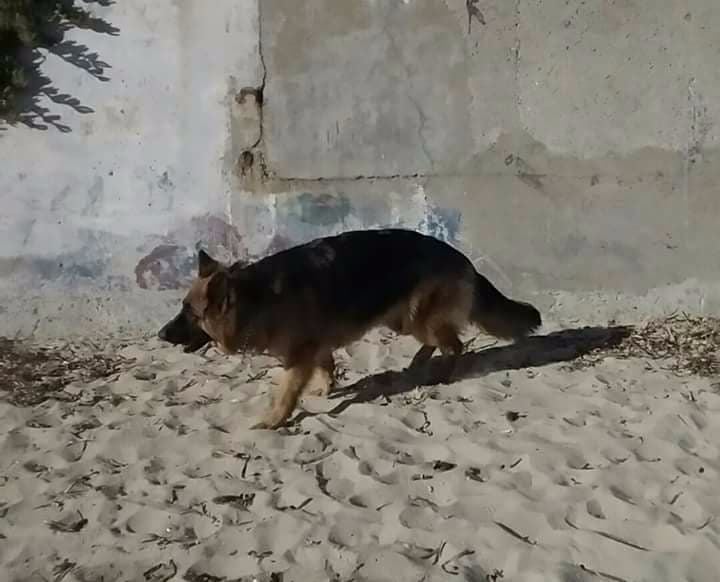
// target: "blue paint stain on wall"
[[70, 268], [299, 218], [168, 262], [443, 223], [323, 209], [88, 265]]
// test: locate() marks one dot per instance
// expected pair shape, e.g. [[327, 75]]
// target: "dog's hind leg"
[[422, 356], [449, 340], [323, 378], [446, 338], [438, 312], [451, 347]]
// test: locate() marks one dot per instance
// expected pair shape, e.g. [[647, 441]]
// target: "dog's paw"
[[320, 390], [270, 422], [321, 384]]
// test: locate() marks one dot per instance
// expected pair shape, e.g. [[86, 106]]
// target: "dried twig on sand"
[[30, 374], [690, 344]]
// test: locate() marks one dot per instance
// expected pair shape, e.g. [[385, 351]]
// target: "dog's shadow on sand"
[[560, 346]]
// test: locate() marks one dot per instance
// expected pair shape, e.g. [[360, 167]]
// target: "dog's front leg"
[[296, 377], [323, 378]]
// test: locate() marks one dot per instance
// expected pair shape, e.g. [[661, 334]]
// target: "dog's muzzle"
[[162, 334]]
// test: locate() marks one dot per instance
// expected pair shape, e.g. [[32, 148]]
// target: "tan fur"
[[435, 314], [301, 304]]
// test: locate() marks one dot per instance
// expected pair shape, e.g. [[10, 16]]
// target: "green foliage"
[[29, 25], [24, 24]]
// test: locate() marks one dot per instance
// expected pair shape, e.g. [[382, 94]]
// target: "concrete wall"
[[570, 148]]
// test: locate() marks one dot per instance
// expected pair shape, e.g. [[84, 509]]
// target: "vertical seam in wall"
[[272, 204], [691, 138], [518, 100], [263, 80]]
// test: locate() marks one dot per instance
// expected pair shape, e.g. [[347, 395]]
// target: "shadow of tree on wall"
[[29, 29]]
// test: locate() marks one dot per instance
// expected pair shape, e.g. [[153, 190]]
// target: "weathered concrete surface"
[[570, 148]]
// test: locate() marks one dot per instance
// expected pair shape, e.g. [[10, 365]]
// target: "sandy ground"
[[528, 468]]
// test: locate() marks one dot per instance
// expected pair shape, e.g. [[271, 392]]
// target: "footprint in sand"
[[338, 477], [381, 471], [154, 470], [625, 492], [374, 498], [421, 514], [314, 448], [384, 565], [595, 509], [349, 531], [392, 452]]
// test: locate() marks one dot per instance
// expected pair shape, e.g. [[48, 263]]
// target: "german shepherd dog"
[[302, 303]]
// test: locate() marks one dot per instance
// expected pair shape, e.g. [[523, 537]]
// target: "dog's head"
[[206, 301]]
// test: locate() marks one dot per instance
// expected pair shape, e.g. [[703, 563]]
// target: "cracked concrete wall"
[[576, 141], [569, 148]]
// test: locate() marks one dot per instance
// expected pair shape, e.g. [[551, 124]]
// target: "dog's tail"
[[501, 316]]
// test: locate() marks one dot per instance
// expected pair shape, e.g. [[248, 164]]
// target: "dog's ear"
[[206, 265], [217, 290]]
